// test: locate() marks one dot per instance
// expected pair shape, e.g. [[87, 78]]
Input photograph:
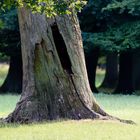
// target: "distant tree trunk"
[[111, 75], [55, 83], [125, 83], [13, 81], [136, 69], [91, 58]]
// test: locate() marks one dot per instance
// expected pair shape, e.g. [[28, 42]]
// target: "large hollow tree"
[[55, 83]]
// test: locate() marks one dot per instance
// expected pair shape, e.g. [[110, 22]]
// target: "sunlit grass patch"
[[71, 130], [125, 107], [7, 104]]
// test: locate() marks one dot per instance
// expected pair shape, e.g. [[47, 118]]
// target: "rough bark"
[[125, 82], [51, 88], [111, 75], [13, 81], [91, 65]]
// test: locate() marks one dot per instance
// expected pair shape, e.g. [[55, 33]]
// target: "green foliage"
[[1, 24], [92, 19], [9, 33], [130, 6], [10, 42], [111, 25], [122, 38], [9, 19], [50, 8]]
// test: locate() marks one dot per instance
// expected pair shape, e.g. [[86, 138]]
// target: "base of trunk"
[[55, 82], [29, 111]]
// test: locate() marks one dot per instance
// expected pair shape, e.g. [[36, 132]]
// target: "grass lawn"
[[126, 107]]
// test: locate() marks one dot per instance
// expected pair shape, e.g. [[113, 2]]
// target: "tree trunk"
[[111, 75], [55, 83], [125, 83], [13, 81], [91, 64], [136, 69]]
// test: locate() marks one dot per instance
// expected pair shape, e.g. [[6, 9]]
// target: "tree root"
[[8, 120]]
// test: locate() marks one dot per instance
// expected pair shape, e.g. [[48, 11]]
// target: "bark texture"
[[91, 58], [13, 81], [53, 88]]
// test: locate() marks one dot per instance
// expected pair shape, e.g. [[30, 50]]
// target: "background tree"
[[111, 74], [91, 57], [131, 10], [118, 34], [98, 23], [10, 46]]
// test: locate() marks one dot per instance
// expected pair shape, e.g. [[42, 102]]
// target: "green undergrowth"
[[125, 107]]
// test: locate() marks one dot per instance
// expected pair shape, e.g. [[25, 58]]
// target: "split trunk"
[[55, 82]]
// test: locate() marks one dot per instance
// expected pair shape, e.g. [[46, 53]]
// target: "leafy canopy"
[[111, 25], [9, 33], [49, 7], [122, 38], [132, 7], [8, 19]]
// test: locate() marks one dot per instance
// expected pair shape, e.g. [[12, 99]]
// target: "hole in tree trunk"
[[61, 49]]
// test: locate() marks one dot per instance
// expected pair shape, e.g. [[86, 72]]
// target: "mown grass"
[[126, 107]]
